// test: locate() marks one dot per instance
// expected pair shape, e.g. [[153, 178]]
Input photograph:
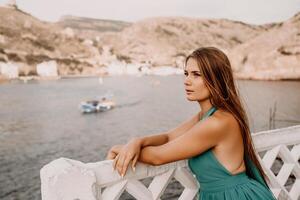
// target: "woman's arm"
[[131, 151], [153, 140], [159, 139], [165, 137], [184, 127], [203, 136]]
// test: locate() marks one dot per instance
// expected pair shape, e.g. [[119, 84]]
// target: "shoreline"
[[26, 79]]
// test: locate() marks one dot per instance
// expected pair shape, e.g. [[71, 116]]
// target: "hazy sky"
[[249, 11]]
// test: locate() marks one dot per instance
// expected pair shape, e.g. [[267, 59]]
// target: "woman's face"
[[195, 87]]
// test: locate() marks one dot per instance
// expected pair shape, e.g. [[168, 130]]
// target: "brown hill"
[[268, 51], [89, 27], [164, 40], [29, 41], [274, 54]]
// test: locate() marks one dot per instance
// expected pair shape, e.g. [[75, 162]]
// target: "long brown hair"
[[218, 77]]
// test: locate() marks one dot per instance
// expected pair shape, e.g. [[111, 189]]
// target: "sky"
[[248, 11]]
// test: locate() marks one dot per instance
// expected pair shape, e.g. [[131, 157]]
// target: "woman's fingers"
[[111, 155], [134, 162], [125, 154], [120, 164], [125, 166]]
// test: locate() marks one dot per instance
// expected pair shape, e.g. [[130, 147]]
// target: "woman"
[[216, 141]]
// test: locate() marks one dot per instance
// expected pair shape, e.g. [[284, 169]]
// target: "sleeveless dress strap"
[[209, 113]]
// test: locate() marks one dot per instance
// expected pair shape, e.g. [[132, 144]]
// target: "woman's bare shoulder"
[[224, 120]]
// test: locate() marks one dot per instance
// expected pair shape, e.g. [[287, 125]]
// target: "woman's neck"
[[205, 106]]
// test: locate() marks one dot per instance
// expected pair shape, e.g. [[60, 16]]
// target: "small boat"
[[92, 106]]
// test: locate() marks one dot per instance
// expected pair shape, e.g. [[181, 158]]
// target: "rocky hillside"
[[274, 54], [165, 41], [28, 41], [89, 28], [83, 46]]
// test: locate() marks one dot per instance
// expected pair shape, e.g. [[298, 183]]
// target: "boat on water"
[[92, 106]]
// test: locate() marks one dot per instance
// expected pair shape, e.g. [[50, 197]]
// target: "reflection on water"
[[40, 121]]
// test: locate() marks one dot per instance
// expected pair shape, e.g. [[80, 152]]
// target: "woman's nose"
[[187, 81]]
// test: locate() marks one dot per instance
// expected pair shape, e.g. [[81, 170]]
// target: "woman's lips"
[[189, 91]]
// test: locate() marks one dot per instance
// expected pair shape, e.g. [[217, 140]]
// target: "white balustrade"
[[66, 179]]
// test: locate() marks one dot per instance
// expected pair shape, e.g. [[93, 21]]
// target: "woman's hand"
[[114, 151], [129, 152]]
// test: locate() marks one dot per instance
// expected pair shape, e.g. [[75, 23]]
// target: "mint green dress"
[[217, 183]]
